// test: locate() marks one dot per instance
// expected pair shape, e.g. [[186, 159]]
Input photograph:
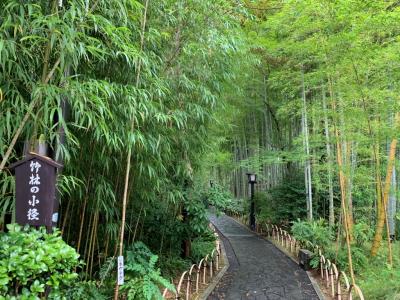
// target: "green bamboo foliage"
[[87, 53], [336, 63]]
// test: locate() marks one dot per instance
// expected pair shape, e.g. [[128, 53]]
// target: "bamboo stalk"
[[88, 244], [85, 203], [65, 217], [342, 181], [106, 246], [329, 158], [94, 237], [129, 156], [349, 201], [383, 213], [137, 224], [307, 150]]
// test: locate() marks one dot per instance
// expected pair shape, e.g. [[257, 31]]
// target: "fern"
[[148, 288], [106, 269], [143, 278], [85, 290]]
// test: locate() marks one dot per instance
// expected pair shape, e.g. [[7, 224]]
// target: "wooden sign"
[[120, 278], [35, 190]]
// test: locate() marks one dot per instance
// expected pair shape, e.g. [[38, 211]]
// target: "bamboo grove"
[[145, 101], [122, 92], [318, 121]]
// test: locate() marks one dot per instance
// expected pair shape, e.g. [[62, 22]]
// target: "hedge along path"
[[199, 275]]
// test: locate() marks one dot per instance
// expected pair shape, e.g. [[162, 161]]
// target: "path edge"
[[315, 285], [218, 277]]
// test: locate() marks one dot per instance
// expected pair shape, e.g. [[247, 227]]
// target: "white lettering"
[[34, 189], [33, 214], [34, 179], [35, 166], [33, 201]]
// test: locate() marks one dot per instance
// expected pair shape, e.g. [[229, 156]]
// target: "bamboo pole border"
[[201, 273], [334, 279]]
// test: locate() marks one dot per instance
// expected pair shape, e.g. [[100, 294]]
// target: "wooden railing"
[[336, 281], [199, 275]]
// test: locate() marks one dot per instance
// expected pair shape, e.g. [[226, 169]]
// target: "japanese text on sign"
[[120, 270], [34, 183]]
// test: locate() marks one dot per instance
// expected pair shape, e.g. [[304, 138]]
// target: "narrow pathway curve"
[[258, 270]]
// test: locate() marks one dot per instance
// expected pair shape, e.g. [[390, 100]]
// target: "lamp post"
[[252, 180]]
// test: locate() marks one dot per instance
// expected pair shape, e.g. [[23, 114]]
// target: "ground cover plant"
[[35, 264]]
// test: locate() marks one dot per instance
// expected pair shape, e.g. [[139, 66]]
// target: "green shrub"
[[143, 279], [32, 261], [200, 248], [358, 256], [380, 282], [195, 203], [85, 290], [316, 232], [362, 233], [282, 203], [237, 206], [173, 266], [219, 197]]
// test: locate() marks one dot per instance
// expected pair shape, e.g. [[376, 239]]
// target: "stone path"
[[258, 270]]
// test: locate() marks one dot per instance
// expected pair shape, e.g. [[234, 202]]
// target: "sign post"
[[120, 278], [35, 185]]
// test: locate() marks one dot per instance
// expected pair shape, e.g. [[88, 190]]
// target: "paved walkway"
[[258, 270]]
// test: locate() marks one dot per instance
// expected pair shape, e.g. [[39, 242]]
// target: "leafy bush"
[[362, 233], [201, 247], [378, 281], [318, 233], [237, 206], [358, 256], [84, 290], [315, 232], [197, 214], [173, 266], [219, 197], [195, 203], [282, 203], [33, 261], [161, 227], [143, 279]]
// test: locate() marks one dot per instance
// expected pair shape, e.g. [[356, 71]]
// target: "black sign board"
[[35, 190]]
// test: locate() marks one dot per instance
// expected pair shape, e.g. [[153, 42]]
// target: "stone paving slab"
[[258, 270]]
